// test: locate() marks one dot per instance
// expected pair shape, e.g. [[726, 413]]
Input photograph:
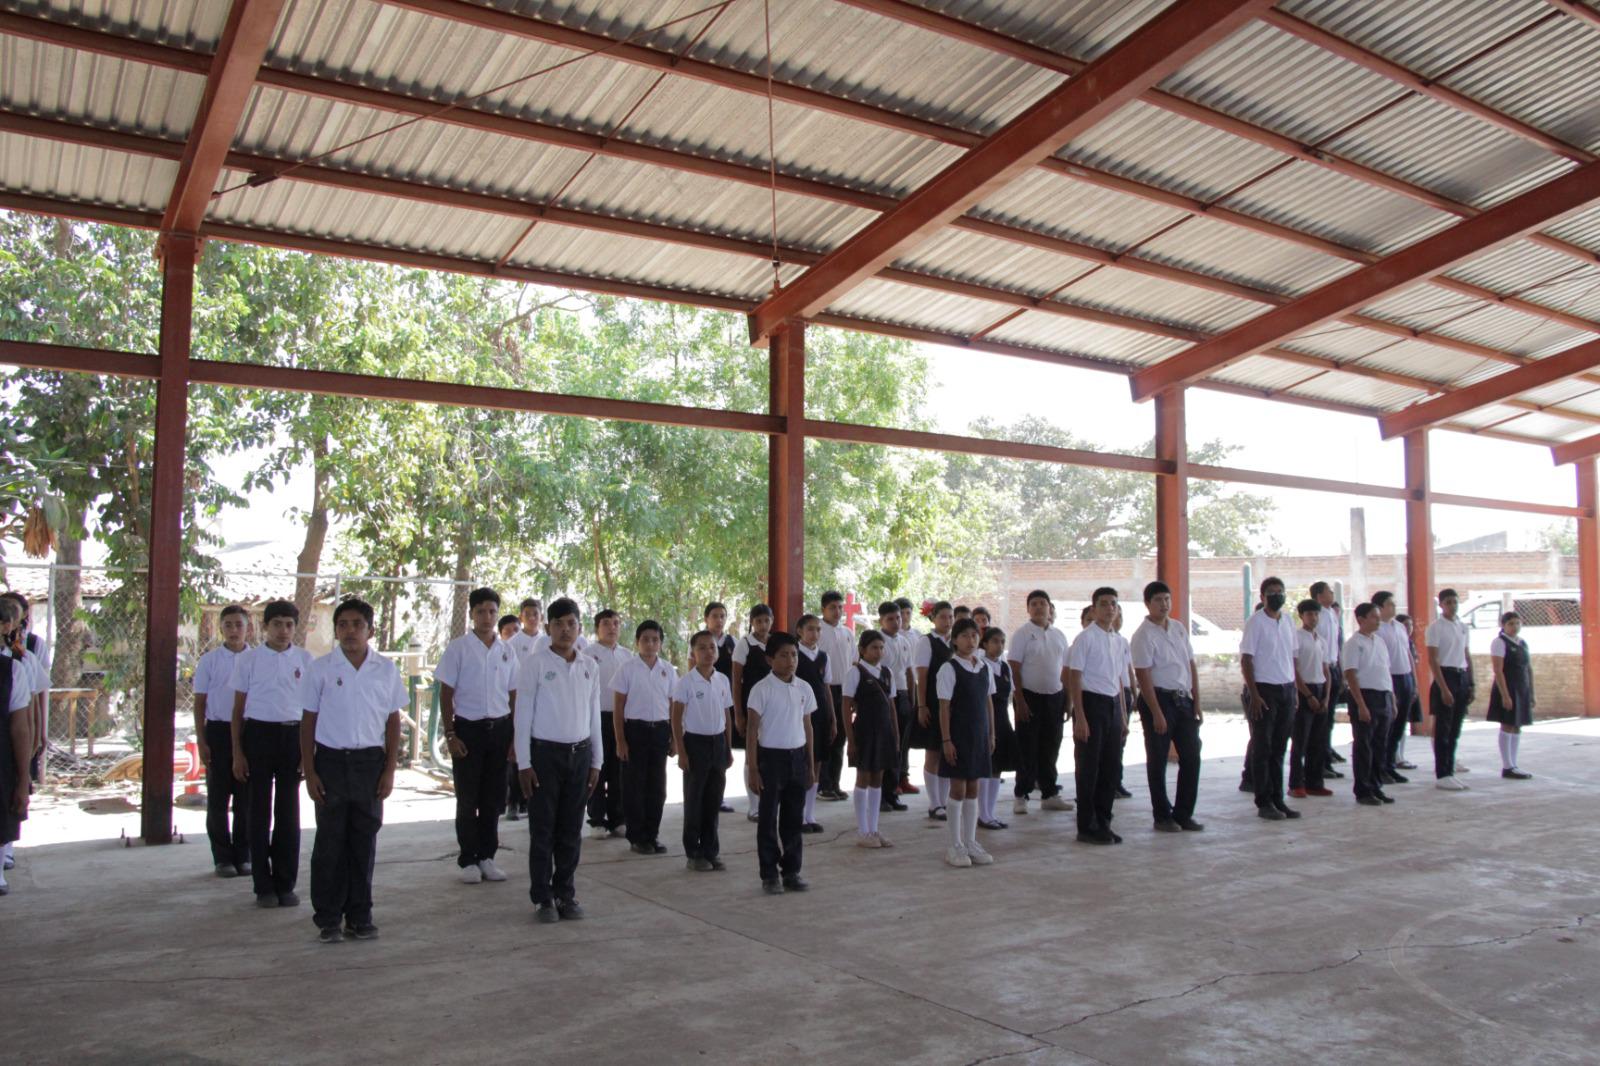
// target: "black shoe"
[[546, 914], [330, 935], [226, 869], [795, 884], [1369, 801], [985, 823], [288, 899], [1334, 756], [1271, 814], [939, 814], [1330, 772], [513, 815], [1384, 797], [1403, 765], [1386, 778], [657, 848], [725, 808], [266, 899], [892, 805], [641, 849], [362, 931], [718, 864], [1288, 812], [1123, 794], [570, 911], [1099, 836], [811, 827], [833, 795], [1167, 825], [245, 869], [700, 865], [1398, 779], [1515, 775], [1189, 825], [774, 887], [1245, 786], [752, 818], [1115, 839]]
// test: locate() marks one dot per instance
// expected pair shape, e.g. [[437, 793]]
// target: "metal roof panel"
[[54, 82], [886, 301], [85, 175], [1112, 344]]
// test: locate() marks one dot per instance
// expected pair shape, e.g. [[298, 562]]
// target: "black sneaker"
[[1289, 812], [330, 935], [1189, 825], [718, 864], [772, 887], [245, 869], [1167, 825], [1123, 794], [1332, 772], [570, 911], [226, 869], [1398, 779], [288, 899], [361, 930], [1369, 801], [546, 914], [811, 827], [1515, 775], [657, 848], [641, 849], [701, 865], [725, 808], [795, 884], [1271, 814], [1115, 838], [1384, 797], [1096, 837], [266, 899], [1336, 757]]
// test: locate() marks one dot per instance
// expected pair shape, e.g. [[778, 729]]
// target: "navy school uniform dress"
[[1518, 672], [11, 671], [814, 672], [1005, 736], [725, 657], [875, 725], [756, 667], [927, 736], [971, 718]]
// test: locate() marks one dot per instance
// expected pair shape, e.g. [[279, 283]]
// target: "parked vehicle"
[[1551, 621]]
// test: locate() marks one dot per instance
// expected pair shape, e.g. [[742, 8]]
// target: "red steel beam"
[[1555, 510], [1577, 9], [1576, 450], [1416, 262], [245, 39], [786, 476], [1497, 389], [1208, 472], [1153, 51], [1589, 582], [919, 440], [1172, 499], [1420, 601]]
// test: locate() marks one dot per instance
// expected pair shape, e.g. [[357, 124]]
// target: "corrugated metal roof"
[[1429, 36], [1338, 387], [1057, 205], [1342, 209], [607, 255], [1429, 361], [1083, 29], [1262, 372], [1037, 329], [1549, 79], [1550, 427], [989, 261], [43, 79], [1246, 256], [84, 175], [1491, 415], [182, 23], [886, 301], [1124, 291]]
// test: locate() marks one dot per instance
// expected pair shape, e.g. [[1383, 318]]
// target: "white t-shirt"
[[557, 701], [1166, 652], [1270, 644], [705, 702], [1497, 646], [611, 661], [1369, 658], [21, 687], [852, 680], [1395, 641], [1447, 638], [37, 658], [211, 676], [1331, 632], [646, 690], [481, 676], [840, 644], [1098, 654], [741, 650], [270, 681], [1308, 660], [944, 682], [353, 706], [1041, 652], [784, 707]]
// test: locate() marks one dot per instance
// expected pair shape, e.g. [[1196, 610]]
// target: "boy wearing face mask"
[[1266, 655]]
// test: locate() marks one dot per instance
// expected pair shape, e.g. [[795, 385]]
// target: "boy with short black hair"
[[213, 718], [1169, 708], [783, 764], [267, 711], [1313, 685], [814, 667], [1450, 668], [606, 803], [350, 746], [508, 626], [702, 731], [908, 645], [531, 615], [716, 623], [1266, 658], [1038, 658], [840, 644], [1095, 668], [750, 666], [898, 650], [1370, 681], [642, 722]]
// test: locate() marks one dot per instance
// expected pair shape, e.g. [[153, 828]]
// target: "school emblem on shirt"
[[549, 675], [699, 695], [505, 656], [297, 673], [339, 681]]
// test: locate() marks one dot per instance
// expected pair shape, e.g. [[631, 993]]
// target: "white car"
[[1208, 638], [1550, 619]]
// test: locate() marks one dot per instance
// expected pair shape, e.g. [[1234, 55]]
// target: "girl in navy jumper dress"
[[966, 727], [1511, 697], [872, 734], [1005, 738]]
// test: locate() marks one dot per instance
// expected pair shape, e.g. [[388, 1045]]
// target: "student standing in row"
[[1266, 655], [531, 615], [908, 638], [750, 666], [1450, 666], [1130, 687], [642, 720], [898, 651], [267, 709], [557, 725], [783, 765], [606, 801], [349, 746], [716, 623], [1369, 679], [1330, 630], [702, 735], [477, 676], [16, 729], [1312, 682], [508, 627], [1397, 643], [814, 667], [965, 688], [872, 737], [933, 651], [1094, 680], [1511, 701], [1038, 660], [213, 728], [1169, 708], [1004, 756], [840, 644], [1410, 715]]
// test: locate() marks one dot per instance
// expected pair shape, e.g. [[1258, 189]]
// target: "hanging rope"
[[772, 151]]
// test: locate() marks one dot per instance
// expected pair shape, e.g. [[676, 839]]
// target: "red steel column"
[[786, 476], [1172, 500], [1589, 583], [1420, 603], [166, 531]]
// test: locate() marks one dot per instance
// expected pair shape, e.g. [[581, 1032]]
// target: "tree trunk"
[[71, 634], [310, 557], [465, 555]]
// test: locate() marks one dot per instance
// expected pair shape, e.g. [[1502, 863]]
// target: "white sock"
[[944, 792], [1400, 754], [990, 793], [811, 805], [11, 850], [874, 800], [969, 822], [930, 785], [858, 800], [1516, 748], [754, 801], [1508, 761], [953, 813]]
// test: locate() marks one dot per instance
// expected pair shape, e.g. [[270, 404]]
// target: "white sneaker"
[[867, 840], [978, 856], [883, 841], [1450, 784], [1020, 805], [598, 832], [1461, 768], [1055, 803], [491, 872], [954, 856], [471, 875]]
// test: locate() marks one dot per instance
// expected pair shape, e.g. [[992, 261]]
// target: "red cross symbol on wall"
[[852, 607]]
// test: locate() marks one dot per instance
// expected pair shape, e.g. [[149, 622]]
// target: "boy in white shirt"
[[1095, 670], [213, 729], [267, 710], [782, 757], [606, 811], [1450, 667], [1169, 708], [1038, 658], [1313, 688], [840, 644], [1370, 683], [750, 666], [1266, 658], [531, 614], [702, 735], [898, 650], [642, 720]]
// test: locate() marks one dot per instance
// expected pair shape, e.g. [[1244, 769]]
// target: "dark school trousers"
[[1098, 761], [230, 845], [1368, 740], [1447, 720], [644, 778], [1405, 690], [1308, 751], [1183, 733], [896, 765], [272, 751], [346, 844], [1336, 692], [833, 765], [606, 802], [477, 776], [703, 784], [1039, 744], [1269, 739], [555, 818], [784, 773]]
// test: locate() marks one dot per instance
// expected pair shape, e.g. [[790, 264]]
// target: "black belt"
[[1452, 670], [350, 754], [561, 745], [263, 721]]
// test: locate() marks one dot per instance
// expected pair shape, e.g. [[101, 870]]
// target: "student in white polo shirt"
[[781, 748], [16, 728], [1313, 684], [477, 677], [702, 735], [558, 760], [1397, 642], [897, 653], [531, 614], [1038, 658], [266, 751], [349, 746], [1450, 667], [1169, 708], [213, 728], [642, 695], [1095, 668], [840, 643], [605, 802], [1266, 658], [1370, 682]]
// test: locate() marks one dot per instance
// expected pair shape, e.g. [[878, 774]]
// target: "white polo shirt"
[[1331, 632], [211, 676], [1308, 661], [1270, 644], [896, 658], [1097, 654], [542, 641], [784, 707], [906, 665], [1369, 658], [611, 661], [353, 705], [482, 676], [1165, 651], [646, 690], [840, 644], [557, 701], [944, 682], [1395, 641], [21, 687], [741, 650], [1447, 639], [922, 658], [1042, 652], [270, 681], [852, 680], [522, 642], [706, 701]]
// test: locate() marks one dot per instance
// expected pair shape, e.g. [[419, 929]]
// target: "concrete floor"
[[1447, 928]]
